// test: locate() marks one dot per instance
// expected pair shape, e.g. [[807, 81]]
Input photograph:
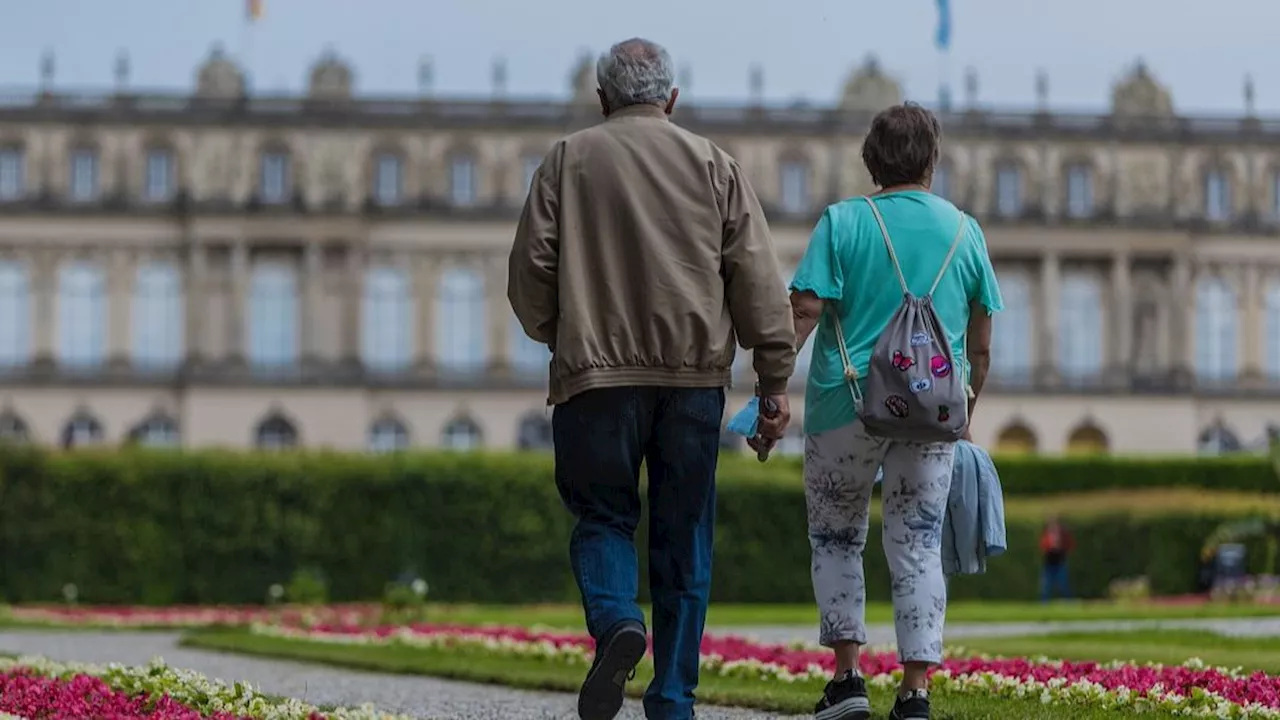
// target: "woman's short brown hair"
[[902, 145]]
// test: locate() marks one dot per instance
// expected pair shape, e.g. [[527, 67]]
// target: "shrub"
[[208, 527]]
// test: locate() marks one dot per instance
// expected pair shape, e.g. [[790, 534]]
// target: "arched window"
[[461, 322], [1088, 439], [1217, 195], [1016, 439], [388, 435], [534, 432], [82, 316], [1216, 324], [82, 430], [529, 358], [273, 316], [157, 431], [1008, 190], [1012, 332], [1081, 327], [461, 434], [157, 316], [15, 315], [13, 429], [1271, 331], [793, 181], [1079, 190], [388, 178], [275, 432], [462, 180], [387, 327]]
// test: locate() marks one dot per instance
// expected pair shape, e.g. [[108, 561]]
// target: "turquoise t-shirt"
[[847, 265]]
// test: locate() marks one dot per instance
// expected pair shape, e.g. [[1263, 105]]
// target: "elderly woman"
[[847, 282]]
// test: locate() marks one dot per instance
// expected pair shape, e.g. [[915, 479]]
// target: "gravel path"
[[417, 696]]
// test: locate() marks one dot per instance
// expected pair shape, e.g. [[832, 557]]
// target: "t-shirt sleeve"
[[987, 289], [819, 271]]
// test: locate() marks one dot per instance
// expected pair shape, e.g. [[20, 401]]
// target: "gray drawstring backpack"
[[915, 391]]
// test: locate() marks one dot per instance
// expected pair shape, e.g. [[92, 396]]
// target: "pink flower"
[[38, 697]]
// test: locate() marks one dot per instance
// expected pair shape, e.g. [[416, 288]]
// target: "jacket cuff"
[[773, 386]]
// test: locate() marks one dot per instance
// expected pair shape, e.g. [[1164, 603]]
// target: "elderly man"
[[641, 253]]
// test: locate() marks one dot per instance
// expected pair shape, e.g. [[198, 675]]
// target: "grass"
[[555, 675], [1169, 647], [806, 616]]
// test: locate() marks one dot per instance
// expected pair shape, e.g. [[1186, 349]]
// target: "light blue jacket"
[[973, 527]]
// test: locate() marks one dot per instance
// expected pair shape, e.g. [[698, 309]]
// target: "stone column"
[[1048, 360], [1182, 310], [195, 291], [120, 278], [498, 311], [426, 274], [237, 304], [1251, 328], [1121, 316], [352, 295], [44, 293], [312, 298]]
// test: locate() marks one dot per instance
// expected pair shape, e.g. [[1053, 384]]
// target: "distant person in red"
[[1056, 544]]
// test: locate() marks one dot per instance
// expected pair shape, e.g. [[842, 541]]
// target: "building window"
[[461, 434], [1079, 191], [1080, 327], [159, 181], [157, 431], [794, 197], [275, 433], [1271, 331], [534, 432], [1012, 334], [15, 315], [1216, 324], [82, 430], [13, 429], [941, 184], [1008, 190], [529, 167], [462, 181], [84, 175], [12, 175], [463, 327], [82, 316], [387, 326], [529, 358], [157, 316], [388, 179], [388, 435], [273, 187], [1217, 196], [273, 317]]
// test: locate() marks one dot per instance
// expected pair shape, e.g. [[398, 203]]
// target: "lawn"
[[1168, 647], [968, 611], [543, 674]]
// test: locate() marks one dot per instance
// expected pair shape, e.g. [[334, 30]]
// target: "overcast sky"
[[1202, 50]]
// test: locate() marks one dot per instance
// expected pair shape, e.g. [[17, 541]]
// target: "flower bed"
[[1192, 688], [32, 687], [177, 617]]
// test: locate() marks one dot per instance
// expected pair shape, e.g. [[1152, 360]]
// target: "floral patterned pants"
[[840, 469]]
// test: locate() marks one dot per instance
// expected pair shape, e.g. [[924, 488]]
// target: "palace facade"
[[222, 268]]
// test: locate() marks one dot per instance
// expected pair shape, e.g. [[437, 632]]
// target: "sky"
[[1201, 50]]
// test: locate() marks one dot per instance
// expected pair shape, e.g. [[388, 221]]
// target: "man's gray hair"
[[636, 72]]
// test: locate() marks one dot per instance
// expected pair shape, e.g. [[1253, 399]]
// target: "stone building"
[[219, 267]]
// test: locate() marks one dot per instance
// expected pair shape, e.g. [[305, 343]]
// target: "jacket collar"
[[639, 110]]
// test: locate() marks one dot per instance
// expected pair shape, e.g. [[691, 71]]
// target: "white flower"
[[276, 591], [70, 592], [419, 587]]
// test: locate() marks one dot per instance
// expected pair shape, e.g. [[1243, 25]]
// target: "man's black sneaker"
[[911, 705], [617, 655], [844, 699]]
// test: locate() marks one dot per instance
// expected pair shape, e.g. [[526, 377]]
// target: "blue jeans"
[[601, 438], [1053, 581]]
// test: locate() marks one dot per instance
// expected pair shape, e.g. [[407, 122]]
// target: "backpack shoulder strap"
[[884, 233], [946, 262]]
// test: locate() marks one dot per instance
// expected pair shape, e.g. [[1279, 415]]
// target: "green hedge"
[[212, 527]]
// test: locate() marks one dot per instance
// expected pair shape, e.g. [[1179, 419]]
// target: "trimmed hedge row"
[[212, 527]]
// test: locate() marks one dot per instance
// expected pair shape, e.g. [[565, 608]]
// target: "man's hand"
[[771, 427]]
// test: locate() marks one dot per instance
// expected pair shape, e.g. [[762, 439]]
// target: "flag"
[[943, 38], [253, 9]]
